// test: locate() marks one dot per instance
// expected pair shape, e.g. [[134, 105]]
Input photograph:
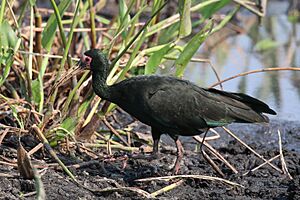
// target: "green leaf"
[[5, 55], [156, 58], [123, 16], [191, 48], [50, 29], [225, 20], [211, 9], [36, 94], [69, 124], [32, 2], [7, 59], [73, 92], [66, 128], [8, 38], [83, 107], [185, 18], [15, 114], [168, 34], [266, 44], [2, 11], [8, 42], [135, 51], [138, 34], [111, 107]]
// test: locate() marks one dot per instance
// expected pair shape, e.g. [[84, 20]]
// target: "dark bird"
[[173, 106]]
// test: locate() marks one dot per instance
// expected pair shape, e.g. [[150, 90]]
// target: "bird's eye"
[[87, 59]]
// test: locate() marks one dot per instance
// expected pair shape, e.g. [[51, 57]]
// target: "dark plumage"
[[171, 105]]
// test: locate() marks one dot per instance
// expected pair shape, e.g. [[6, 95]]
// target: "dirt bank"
[[264, 183]]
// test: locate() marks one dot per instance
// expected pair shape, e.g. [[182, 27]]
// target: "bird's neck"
[[99, 85]]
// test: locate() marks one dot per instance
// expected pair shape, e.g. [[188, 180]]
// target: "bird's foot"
[[175, 170]]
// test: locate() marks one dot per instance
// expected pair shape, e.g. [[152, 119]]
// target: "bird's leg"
[[201, 144], [180, 152], [155, 147], [154, 154], [208, 159]]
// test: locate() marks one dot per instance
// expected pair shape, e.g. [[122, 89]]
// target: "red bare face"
[[85, 61]]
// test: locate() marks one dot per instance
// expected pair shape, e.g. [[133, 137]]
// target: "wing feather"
[[185, 104]]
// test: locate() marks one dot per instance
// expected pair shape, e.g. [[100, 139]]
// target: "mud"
[[264, 183]]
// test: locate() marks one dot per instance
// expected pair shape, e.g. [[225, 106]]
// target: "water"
[[237, 54]]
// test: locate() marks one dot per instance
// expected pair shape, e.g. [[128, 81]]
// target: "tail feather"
[[253, 103], [250, 116], [243, 108]]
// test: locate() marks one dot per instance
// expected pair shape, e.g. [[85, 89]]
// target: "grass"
[[123, 38]]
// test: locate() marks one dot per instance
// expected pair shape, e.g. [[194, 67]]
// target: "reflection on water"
[[273, 43]]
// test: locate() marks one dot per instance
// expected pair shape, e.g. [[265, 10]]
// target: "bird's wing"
[[183, 104], [176, 106]]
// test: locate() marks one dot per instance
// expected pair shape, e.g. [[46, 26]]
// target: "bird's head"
[[94, 60]]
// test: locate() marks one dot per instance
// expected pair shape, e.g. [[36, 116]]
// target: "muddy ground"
[[264, 183]]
